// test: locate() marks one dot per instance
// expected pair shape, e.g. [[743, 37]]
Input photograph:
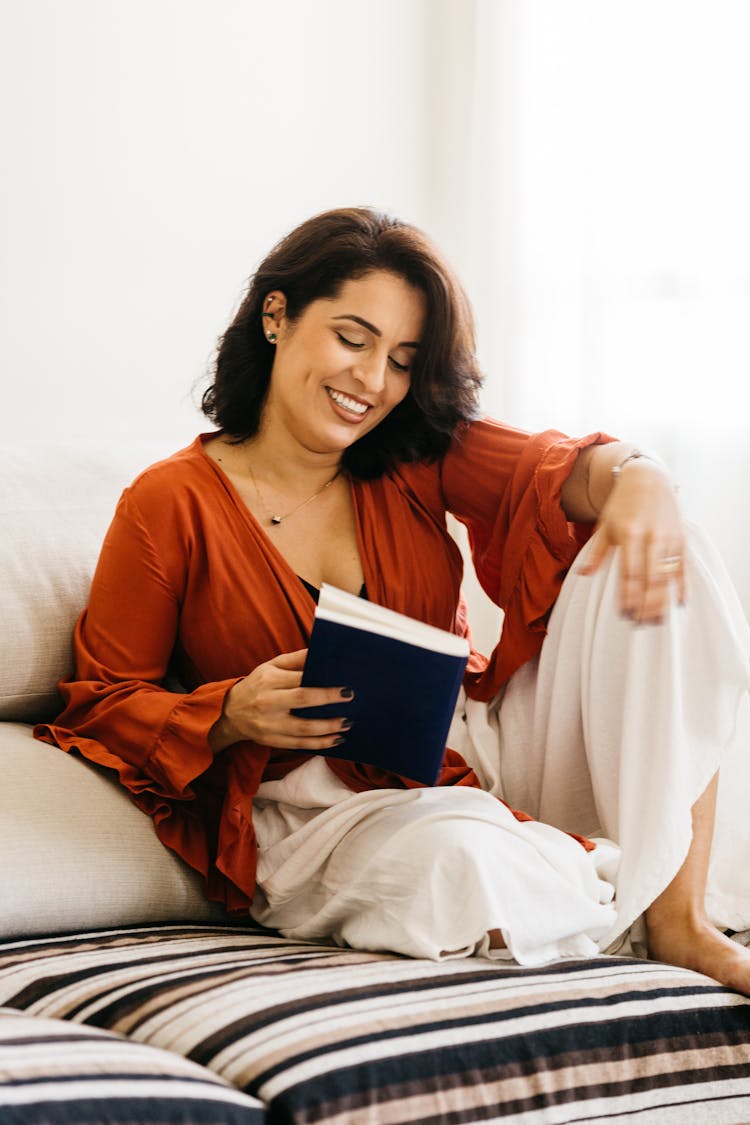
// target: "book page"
[[344, 608]]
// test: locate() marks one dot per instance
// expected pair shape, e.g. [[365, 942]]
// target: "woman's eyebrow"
[[371, 328]]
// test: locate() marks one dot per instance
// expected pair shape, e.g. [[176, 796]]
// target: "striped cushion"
[[55, 1073], [345, 1038]]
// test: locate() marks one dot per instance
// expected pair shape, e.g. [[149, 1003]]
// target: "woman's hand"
[[258, 708], [640, 515]]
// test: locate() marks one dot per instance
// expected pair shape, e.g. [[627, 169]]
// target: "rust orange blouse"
[[189, 584]]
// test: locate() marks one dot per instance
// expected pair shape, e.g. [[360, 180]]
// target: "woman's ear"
[[274, 312]]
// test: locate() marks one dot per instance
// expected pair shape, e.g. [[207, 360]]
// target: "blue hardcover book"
[[406, 677]]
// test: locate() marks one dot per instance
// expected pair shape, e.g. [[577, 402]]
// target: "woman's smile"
[[349, 405]]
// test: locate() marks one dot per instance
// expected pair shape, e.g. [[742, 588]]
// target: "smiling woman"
[[315, 266], [345, 396]]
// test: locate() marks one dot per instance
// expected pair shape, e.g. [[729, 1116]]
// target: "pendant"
[[276, 519]]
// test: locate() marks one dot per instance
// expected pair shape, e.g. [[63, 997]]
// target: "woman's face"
[[345, 363]]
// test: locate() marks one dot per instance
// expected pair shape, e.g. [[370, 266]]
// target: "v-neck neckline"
[[232, 492]]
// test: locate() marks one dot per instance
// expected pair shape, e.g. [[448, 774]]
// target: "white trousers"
[[613, 732]]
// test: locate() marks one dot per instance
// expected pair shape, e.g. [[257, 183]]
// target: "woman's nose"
[[371, 372]]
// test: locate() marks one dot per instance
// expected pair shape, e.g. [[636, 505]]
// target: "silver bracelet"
[[635, 455]]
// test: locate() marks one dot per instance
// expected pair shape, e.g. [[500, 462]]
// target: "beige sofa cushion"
[[75, 852], [56, 503]]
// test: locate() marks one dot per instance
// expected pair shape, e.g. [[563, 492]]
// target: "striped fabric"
[[53, 1072], [324, 1035]]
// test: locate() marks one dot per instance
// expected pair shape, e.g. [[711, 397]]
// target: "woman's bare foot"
[[679, 932], [696, 944]]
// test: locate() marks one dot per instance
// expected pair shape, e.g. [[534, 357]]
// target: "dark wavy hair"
[[314, 262]]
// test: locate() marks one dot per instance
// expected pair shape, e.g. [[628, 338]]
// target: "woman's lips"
[[348, 406]]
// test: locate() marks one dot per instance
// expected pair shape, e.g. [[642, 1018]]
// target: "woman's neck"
[[282, 464]]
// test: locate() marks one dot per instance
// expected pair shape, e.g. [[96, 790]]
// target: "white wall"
[[153, 151]]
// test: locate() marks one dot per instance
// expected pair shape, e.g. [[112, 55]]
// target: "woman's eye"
[[399, 366], [349, 343], [357, 345]]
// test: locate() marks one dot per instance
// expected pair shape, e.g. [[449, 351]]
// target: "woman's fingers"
[[599, 548], [261, 707], [651, 569], [309, 734], [632, 575], [290, 660], [652, 573], [306, 732]]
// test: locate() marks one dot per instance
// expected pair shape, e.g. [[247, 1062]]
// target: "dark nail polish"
[[346, 724], [347, 693], [338, 741]]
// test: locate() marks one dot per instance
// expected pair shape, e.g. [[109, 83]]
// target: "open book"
[[406, 677]]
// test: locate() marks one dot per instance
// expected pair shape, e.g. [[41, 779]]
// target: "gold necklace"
[[275, 520]]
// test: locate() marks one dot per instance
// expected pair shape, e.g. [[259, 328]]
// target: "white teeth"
[[347, 403]]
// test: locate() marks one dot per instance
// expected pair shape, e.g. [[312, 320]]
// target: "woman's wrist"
[[609, 463], [224, 732], [634, 455]]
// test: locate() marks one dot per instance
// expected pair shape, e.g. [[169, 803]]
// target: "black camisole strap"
[[314, 592]]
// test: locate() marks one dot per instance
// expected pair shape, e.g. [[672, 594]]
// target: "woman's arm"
[[118, 711], [505, 486], [632, 498]]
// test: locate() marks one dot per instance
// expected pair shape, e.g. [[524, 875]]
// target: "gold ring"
[[670, 564]]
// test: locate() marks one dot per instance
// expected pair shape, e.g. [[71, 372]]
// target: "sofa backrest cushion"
[[56, 502]]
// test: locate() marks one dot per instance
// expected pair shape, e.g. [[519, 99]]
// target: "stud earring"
[[271, 337]]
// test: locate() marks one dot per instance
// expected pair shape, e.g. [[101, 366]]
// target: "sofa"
[[126, 999]]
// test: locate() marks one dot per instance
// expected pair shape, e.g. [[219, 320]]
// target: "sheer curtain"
[[597, 158]]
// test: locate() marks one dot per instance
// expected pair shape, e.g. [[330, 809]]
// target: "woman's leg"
[[678, 930], [422, 872], [619, 733]]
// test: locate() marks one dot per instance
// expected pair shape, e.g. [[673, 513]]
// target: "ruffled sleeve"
[[117, 711], [505, 486], [156, 739]]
